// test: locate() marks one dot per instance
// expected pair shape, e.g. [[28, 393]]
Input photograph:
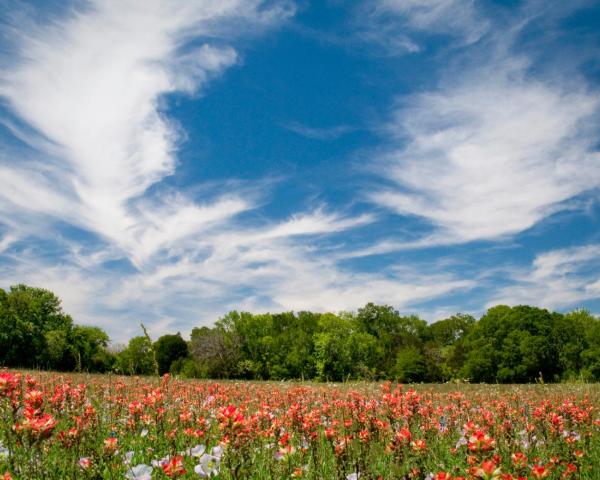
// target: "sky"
[[167, 162]]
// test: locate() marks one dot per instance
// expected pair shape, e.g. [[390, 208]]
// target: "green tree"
[[410, 365], [89, 348], [445, 349], [513, 345], [451, 330], [169, 348], [332, 354], [218, 350], [137, 358], [34, 330], [392, 331], [586, 342]]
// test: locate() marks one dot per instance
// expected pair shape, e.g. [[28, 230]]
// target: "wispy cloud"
[[278, 266], [394, 25], [493, 150], [87, 210], [91, 85], [318, 133], [86, 93], [560, 278]]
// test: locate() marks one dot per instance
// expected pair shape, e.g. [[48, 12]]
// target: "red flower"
[[569, 470], [40, 426], [519, 459], [481, 442], [418, 445], [34, 398], [540, 471], [174, 467], [403, 435], [442, 476], [110, 444], [488, 470], [8, 384]]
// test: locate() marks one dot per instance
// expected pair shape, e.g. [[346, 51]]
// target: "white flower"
[[461, 441], [4, 452], [161, 462], [284, 452], [128, 457], [197, 451], [279, 455], [139, 472], [574, 435], [144, 432], [217, 452], [353, 476], [209, 465]]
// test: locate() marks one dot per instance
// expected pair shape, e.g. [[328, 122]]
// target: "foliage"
[[410, 365], [137, 358], [524, 344], [35, 332], [169, 349], [518, 344]]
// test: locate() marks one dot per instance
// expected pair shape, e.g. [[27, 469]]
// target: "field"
[[60, 426]]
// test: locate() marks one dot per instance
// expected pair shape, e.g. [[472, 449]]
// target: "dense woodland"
[[507, 345]]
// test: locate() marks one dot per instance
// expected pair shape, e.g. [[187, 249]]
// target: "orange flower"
[[40, 426], [488, 470], [110, 444], [174, 467], [442, 476], [540, 471], [403, 435], [481, 442], [519, 459], [8, 383], [418, 445], [570, 469], [136, 408]]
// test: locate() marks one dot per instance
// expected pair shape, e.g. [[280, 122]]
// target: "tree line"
[[506, 345]]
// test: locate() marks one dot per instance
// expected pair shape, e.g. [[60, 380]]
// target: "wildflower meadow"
[[76, 426]]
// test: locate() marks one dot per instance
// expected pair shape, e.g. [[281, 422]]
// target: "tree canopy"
[[506, 345], [36, 333]]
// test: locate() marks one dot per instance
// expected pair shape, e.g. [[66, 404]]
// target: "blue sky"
[[167, 162]]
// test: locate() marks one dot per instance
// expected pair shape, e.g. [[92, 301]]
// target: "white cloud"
[[277, 266], [6, 242], [90, 84], [321, 133], [392, 25], [459, 17], [556, 279], [490, 152]]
